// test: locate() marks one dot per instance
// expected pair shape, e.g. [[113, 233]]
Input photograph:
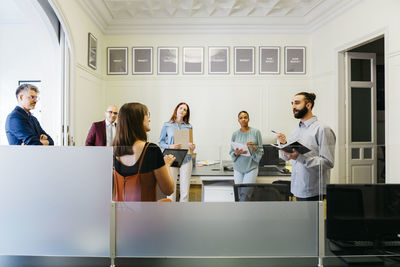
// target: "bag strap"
[[143, 154]]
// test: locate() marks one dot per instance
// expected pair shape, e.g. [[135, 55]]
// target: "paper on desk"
[[207, 162], [241, 147]]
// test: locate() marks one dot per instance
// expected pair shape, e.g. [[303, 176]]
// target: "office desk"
[[212, 172], [215, 172]]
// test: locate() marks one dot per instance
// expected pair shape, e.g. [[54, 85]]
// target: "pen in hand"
[[281, 137]]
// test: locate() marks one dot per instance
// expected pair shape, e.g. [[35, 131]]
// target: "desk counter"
[[216, 172]]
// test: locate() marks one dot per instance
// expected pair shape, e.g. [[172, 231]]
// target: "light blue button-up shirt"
[[167, 135], [309, 167]]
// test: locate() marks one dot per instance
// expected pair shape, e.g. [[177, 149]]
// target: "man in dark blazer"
[[102, 132], [22, 128]]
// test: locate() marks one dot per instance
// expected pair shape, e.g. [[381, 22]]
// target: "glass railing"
[[55, 201], [58, 203], [249, 229], [362, 221]]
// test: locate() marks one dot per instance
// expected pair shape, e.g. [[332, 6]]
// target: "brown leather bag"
[[137, 187]]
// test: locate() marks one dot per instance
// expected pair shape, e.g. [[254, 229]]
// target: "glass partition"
[[248, 229], [362, 223], [249, 220], [55, 201]]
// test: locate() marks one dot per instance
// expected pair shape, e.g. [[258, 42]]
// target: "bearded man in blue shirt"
[[22, 128], [310, 171]]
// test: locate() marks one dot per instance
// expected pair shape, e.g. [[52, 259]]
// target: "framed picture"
[[193, 60], [33, 82], [167, 60], [142, 60], [92, 51], [244, 60], [295, 60], [117, 60], [218, 60], [269, 60]]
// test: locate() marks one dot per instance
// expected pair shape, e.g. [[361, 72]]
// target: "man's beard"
[[301, 113]]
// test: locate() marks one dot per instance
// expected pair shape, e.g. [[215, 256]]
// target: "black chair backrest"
[[262, 192], [284, 182]]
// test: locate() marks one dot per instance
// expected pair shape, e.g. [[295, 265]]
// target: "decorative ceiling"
[[213, 16]]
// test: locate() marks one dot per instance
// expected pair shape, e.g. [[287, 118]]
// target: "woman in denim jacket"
[[178, 121]]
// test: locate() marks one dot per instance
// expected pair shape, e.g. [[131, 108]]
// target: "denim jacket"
[[167, 135]]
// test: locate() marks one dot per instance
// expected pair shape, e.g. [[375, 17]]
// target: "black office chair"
[[290, 195], [261, 192]]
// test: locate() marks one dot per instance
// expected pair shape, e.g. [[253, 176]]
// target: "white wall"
[[29, 51], [362, 22], [87, 88], [214, 100]]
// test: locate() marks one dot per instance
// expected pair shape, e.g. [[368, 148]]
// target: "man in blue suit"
[[22, 128]]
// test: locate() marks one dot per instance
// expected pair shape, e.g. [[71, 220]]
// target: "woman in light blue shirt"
[[245, 166], [178, 121]]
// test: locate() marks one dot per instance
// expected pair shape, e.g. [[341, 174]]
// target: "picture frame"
[[218, 60], [192, 60], [269, 60], [142, 60], [295, 60], [92, 51], [117, 60], [33, 82], [167, 58], [244, 60]]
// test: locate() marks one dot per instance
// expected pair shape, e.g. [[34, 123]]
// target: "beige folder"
[[184, 137]]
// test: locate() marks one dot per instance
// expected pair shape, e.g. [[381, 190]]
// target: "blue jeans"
[[245, 178]]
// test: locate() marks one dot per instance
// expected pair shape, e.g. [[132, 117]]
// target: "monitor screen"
[[270, 157], [366, 212]]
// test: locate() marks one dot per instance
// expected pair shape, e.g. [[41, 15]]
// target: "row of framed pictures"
[[218, 60]]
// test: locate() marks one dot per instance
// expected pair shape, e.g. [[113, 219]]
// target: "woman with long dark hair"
[[138, 165], [178, 121]]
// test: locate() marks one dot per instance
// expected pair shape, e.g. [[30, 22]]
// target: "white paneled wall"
[[215, 100], [355, 26], [88, 103], [392, 120], [214, 105]]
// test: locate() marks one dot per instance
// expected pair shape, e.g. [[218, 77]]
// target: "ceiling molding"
[[94, 15], [204, 29], [213, 16]]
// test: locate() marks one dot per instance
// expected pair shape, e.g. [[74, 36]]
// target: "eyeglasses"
[[112, 112], [148, 114], [33, 97]]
